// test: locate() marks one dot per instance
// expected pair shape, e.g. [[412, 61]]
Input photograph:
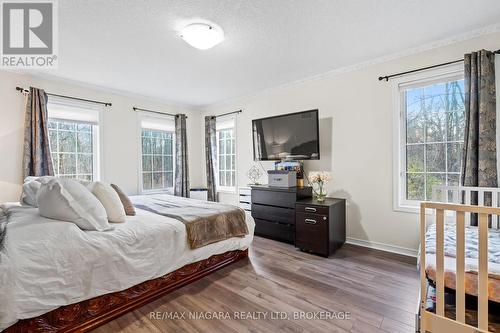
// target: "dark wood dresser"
[[320, 226], [273, 209]]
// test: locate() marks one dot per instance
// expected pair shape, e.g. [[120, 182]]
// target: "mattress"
[[48, 263], [471, 259]]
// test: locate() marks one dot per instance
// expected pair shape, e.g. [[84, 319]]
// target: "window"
[[432, 121], [226, 153], [73, 139], [157, 147]]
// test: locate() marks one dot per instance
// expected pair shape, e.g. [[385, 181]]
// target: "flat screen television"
[[293, 136]]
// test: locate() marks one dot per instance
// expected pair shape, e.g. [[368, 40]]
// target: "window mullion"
[[422, 105]]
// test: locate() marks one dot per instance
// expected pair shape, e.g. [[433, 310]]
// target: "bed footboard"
[[437, 322]]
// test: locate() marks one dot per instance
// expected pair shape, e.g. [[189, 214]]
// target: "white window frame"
[[228, 118], [451, 72], [140, 116], [97, 129]]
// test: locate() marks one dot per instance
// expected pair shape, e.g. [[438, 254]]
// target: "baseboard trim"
[[382, 247]]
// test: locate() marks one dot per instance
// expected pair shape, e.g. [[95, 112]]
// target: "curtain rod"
[[22, 90], [158, 112], [228, 113], [387, 77]]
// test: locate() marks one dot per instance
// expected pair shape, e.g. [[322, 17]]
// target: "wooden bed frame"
[[438, 322], [89, 314]]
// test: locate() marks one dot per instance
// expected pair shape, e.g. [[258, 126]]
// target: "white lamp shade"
[[202, 36]]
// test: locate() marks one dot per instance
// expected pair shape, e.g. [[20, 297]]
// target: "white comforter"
[[47, 263]]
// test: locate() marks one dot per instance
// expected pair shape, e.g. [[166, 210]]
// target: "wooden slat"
[[483, 273], [440, 262], [436, 324], [467, 202], [473, 188], [462, 208], [467, 197], [494, 203], [456, 196], [494, 199], [423, 278], [480, 197], [460, 269]]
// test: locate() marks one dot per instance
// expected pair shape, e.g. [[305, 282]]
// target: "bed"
[[460, 265], [91, 277], [471, 259], [471, 287]]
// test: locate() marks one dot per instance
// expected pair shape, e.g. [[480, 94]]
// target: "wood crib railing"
[[437, 322], [464, 194]]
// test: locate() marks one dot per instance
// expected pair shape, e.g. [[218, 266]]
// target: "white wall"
[[120, 137], [356, 123]]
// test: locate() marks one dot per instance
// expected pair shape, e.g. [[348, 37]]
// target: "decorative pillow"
[[85, 183], [31, 187], [110, 200], [30, 190], [68, 200], [127, 204]]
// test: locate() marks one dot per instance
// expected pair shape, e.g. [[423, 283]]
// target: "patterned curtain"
[[211, 157], [479, 161], [36, 158], [181, 187]]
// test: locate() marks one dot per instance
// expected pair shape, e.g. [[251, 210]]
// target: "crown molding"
[[365, 64]]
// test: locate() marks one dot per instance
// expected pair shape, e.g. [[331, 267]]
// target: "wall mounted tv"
[[293, 136]]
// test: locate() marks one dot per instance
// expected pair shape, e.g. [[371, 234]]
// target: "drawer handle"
[[310, 221], [310, 209]]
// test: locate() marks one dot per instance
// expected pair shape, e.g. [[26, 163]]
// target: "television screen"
[[293, 136]]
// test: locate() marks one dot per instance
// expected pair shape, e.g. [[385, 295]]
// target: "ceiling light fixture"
[[202, 36]]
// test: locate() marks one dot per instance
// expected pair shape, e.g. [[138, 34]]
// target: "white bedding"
[[47, 263]]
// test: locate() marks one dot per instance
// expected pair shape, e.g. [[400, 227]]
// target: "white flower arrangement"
[[316, 177], [319, 178]]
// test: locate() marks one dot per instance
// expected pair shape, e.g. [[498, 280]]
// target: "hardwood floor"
[[377, 290]]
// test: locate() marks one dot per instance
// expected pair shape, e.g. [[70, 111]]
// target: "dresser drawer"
[[274, 214], [274, 198], [305, 208], [311, 232], [277, 231]]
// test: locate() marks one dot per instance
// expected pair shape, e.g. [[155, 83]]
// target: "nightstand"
[[320, 226]]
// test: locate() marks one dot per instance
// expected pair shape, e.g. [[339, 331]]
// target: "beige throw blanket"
[[206, 222]]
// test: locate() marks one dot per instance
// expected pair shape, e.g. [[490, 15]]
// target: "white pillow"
[[68, 200], [31, 187], [110, 200], [30, 190]]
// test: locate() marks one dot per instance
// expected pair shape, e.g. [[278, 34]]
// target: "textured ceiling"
[[133, 45]]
